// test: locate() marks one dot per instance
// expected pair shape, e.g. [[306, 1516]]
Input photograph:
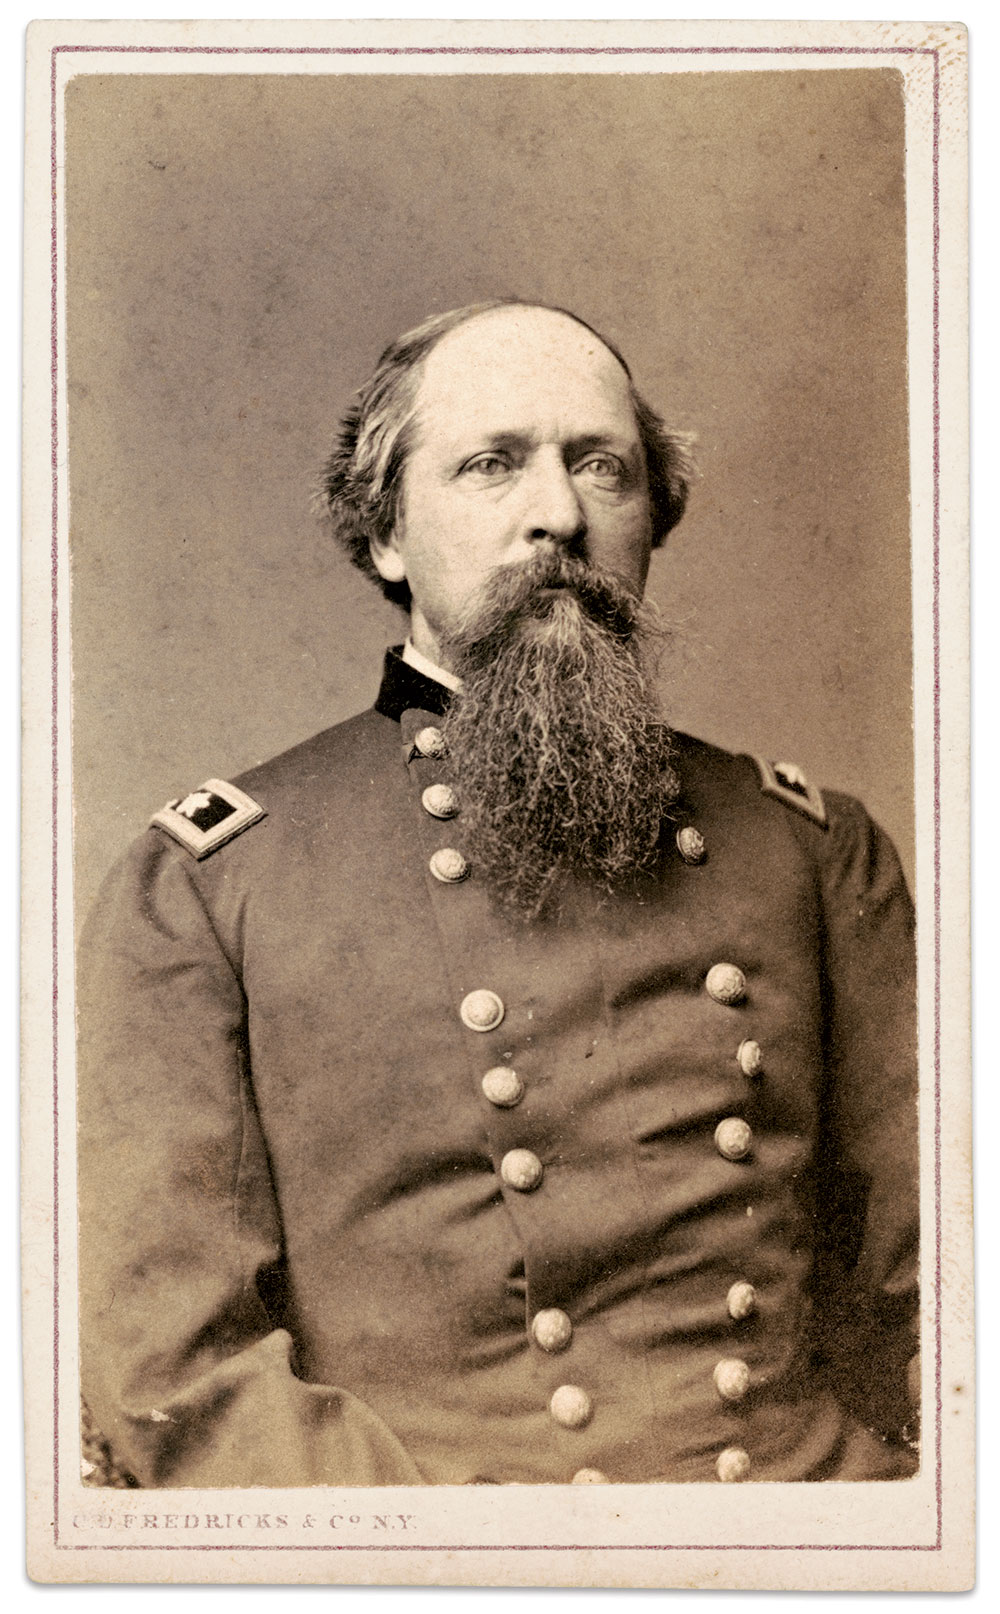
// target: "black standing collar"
[[405, 688]]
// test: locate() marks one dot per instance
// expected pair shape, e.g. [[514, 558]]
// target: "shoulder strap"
[[208, 817], [788, 783]]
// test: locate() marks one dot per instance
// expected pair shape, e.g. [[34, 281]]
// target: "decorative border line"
[[516, 50], [506, 50], [54, 621]]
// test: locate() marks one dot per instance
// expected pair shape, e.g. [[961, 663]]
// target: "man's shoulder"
[[310, 782], [702, 761], [745, 778], [315, 763], [767, 795]]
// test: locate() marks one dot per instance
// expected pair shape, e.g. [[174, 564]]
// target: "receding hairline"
[[514, 307]]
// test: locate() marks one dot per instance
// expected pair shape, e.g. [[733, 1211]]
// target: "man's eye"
[[485, 465], [603, 468]]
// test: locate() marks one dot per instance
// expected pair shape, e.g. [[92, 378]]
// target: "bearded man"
[[500, 1087]]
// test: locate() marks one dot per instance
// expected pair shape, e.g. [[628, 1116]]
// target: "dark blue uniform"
[[378, 1186]]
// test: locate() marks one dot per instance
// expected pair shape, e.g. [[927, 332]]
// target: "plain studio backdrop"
[[240, 249]]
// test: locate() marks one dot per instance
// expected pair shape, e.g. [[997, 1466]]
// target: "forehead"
[[524, 368]]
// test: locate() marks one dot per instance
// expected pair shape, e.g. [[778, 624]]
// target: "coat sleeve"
[[185, 1372], [867, 1169]]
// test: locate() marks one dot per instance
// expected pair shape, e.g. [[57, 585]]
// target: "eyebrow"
[[585, 443], [591, 440]]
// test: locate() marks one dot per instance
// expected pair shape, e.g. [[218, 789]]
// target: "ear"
[[387, 560]]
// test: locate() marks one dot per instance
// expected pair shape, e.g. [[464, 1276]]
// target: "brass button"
[[521, 1169], [481, 1011], [691, 844], [589, 1476], [571, 1406], [448, 866], [726, 984], [732, 1465], [503, 1087], [551, 1329], [430, 742], [750, 1057], [733, 1138], [439, 801], [741, 1301], [732, 1379]]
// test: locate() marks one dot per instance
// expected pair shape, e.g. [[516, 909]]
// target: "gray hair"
[[361, 481]]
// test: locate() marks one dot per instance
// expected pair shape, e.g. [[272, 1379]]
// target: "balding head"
[[491, 359]]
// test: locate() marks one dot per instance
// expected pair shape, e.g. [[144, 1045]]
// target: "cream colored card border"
[[915, 1534]]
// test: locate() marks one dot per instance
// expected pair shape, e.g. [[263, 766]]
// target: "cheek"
[[446, 584], [624, 547]]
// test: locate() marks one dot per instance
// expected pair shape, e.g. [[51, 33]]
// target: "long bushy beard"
[[560, 760]]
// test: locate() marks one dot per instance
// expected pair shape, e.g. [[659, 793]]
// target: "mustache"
[[536, 589]]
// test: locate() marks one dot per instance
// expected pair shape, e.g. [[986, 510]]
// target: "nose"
[[553, 508]]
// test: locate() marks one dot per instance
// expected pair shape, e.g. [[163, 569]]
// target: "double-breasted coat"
[[378, 1186]]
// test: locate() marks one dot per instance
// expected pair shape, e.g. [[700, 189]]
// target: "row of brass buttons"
[[439, 800], [727, 984], [570, 1406], [551, 1328]]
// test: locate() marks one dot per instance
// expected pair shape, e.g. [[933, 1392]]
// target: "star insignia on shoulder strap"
[[788, 783], [209, 816]]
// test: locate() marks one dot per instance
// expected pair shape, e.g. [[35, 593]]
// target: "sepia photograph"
[[491, 500]]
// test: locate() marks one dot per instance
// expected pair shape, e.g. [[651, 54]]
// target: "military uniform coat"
[[378, 1186]]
